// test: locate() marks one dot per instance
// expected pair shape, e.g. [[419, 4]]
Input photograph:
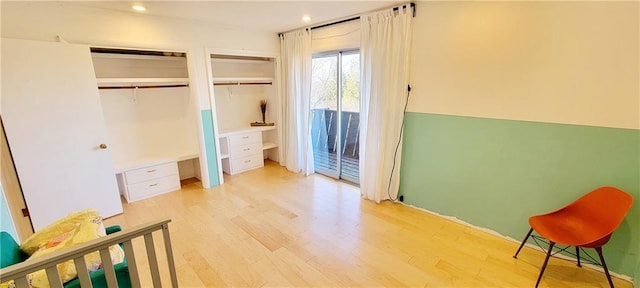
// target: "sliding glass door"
[[335, 111]]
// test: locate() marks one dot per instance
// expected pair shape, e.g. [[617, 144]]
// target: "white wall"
[[558, 62], [240, 105], [345, 36], [152, 124], [81, 24]]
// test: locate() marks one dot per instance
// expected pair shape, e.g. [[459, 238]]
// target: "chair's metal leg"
[[546, 260], [604, 265], [523, 241], [578, 255]]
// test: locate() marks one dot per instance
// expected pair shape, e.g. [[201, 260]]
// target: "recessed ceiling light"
[[138, 8], [306, 18]]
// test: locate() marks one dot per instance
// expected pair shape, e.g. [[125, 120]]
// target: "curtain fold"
[[295, 50], [385, 49]]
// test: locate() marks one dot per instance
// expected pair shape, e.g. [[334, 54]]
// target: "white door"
[[54, 124]]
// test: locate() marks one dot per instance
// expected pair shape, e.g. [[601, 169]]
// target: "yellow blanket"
[[74, 229]]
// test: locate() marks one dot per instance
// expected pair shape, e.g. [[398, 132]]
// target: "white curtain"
[[295, 50], [385, 49]]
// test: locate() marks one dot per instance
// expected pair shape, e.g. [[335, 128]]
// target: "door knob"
[[103, 146]]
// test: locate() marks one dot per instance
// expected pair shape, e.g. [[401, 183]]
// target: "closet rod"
[[142, 87], [242, 83], [411, 5]]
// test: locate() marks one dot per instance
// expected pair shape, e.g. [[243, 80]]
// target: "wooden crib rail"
[[18, 272]]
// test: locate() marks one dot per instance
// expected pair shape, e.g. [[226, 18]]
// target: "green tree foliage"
[[324, 89], [351, 82]]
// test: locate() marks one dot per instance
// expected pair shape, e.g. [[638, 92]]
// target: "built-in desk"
[[144, 178], [242, 149]]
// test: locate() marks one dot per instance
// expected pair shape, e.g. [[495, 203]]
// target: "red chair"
[[586, 223]]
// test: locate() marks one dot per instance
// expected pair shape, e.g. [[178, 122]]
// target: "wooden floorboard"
[[273, 228]]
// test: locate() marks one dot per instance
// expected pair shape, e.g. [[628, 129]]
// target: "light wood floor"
[[273, 228]]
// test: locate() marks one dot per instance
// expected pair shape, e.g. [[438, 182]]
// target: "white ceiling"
[[270, 16]]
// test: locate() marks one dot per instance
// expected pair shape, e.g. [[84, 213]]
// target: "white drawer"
[[151, 172], [153, 187], [246, 150], [246, 163], [244, 139]]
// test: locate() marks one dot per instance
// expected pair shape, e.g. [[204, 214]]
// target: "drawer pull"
[[245, 137], [156, 184], [151, 171], [247, 161], [246, 149]]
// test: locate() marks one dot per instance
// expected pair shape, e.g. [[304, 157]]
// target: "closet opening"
[[246, 108], [151, 119]]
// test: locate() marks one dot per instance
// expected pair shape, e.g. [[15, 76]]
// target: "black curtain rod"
[[411, 5], [335, 23]]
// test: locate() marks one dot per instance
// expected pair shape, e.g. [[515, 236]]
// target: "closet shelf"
[[143, 161], [242, 80], [139, 56], [243, 130], [268, 145], [127, 83]]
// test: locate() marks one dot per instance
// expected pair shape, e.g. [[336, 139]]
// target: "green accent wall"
[[210, 145], [636, 279], [496, 173]]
